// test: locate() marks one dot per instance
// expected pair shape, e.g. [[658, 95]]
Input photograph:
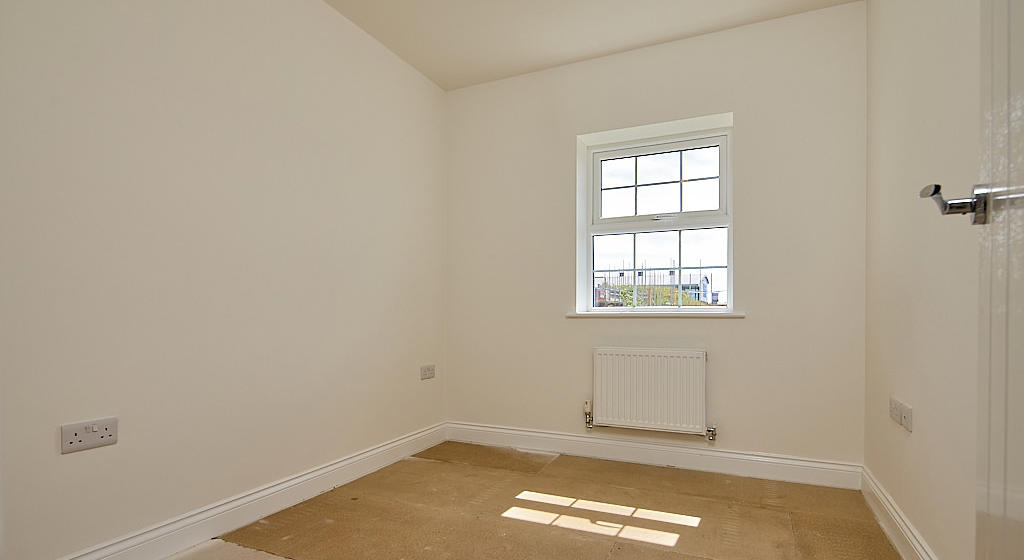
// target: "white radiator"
[[652, 389]]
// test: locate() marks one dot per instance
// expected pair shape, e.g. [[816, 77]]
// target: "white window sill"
[[655, 315]]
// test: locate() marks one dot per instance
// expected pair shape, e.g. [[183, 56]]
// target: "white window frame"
[[670, 136]]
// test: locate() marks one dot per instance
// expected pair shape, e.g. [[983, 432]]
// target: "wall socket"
[[87, 435], [907, 418], [901, 413], [427, 372], [894, 410]]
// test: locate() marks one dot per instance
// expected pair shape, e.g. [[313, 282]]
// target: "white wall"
[[195, 194], [221, 222], [922, 281], [787, 379]]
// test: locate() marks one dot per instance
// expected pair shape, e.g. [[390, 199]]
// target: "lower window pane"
[[704, 287], [657, 288], [613, 288], [613, 252], [658, 249], [641, 270], [705, 248]]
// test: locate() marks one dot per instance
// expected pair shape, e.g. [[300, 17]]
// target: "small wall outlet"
[[901, 413], [87, 435], [907, 417], [427, 372], [894, 410]]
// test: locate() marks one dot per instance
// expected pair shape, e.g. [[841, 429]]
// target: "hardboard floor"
[[462, 501]]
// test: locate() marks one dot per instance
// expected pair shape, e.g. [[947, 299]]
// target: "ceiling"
[[457, 43]]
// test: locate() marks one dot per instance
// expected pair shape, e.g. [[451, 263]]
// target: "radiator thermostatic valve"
[[588, 415], [712, 433]]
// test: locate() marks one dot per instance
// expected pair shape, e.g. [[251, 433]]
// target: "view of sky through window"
[[668, 182], [660, 231]]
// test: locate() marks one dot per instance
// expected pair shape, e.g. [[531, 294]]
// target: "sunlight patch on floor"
[[598, 527], [615, 509]]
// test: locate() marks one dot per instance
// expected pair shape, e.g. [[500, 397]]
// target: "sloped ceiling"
[[457, 43]]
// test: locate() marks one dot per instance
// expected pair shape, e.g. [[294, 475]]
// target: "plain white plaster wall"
[[787, 379], [194, 195], [922, 269], [221, 222]]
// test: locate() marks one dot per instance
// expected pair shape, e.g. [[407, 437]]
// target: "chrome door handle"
[[977, 204]]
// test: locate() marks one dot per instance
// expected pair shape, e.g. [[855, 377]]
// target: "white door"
[[1000, 521]]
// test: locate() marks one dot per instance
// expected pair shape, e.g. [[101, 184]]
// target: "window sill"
[[655, 315]]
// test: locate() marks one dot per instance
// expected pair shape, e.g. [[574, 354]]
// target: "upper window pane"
[[700, 195], [701, 163], [618, 202], [618, 173], [613, 252], [657, 199], [657, 168]]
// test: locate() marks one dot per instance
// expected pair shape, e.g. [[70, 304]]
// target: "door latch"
[[977, 204]]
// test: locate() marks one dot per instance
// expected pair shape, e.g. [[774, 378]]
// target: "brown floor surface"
[[461, 501]]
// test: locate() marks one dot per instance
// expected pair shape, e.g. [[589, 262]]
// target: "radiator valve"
[[588, 415], [712, 432]]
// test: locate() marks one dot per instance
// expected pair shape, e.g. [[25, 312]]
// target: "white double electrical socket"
[[901, 413], [907, 417], [87, 435], [894, 410]]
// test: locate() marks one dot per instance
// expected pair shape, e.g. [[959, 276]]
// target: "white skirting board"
[[901, 532], [759, 465], [190, 529]]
